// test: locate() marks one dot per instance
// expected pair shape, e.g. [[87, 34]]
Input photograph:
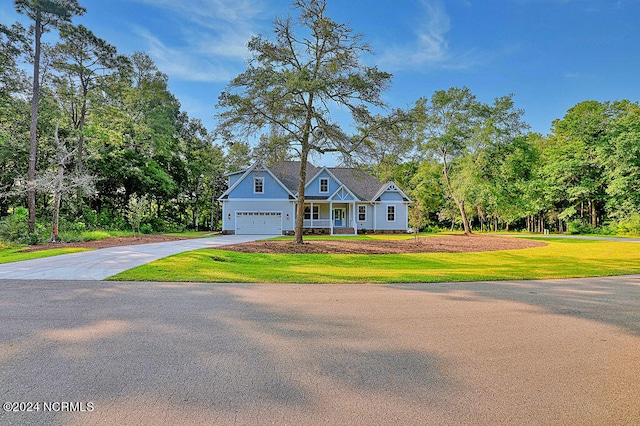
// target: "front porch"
[[329, 217]]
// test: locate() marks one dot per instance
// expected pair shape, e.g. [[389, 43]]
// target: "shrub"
[[626, 226], [574, 227], [432, 229], [146, 228], [14, 226]]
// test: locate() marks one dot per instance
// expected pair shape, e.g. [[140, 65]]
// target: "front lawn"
[[559, 259], [15, 254]]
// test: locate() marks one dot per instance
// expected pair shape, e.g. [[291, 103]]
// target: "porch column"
[[355, 212], [331, 216], [311, 215]]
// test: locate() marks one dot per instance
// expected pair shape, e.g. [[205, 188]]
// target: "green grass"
[[14, 254], [73, 236], [559, 259]]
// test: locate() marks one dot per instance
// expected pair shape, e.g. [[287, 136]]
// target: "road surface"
[[523, 352]]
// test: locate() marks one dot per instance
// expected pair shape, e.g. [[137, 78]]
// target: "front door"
[[338, 218]]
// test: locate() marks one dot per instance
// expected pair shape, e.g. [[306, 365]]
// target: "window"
[[307, 212], [362, 213], [258, 185], [324, 185], [391, 213]]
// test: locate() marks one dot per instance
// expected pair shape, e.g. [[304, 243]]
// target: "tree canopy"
[[108, 142], [311, 66]]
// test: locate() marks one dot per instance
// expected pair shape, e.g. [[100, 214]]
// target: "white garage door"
[[259, 223]]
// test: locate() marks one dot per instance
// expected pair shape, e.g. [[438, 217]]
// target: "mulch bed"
[[107, 242], [444, 244], [439, 244]]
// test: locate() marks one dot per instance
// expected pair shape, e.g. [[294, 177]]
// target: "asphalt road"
[[103, 263], [532, 352]]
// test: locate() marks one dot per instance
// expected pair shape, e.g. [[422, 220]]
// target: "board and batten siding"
[[272, 189], [313, 187], [234, 178], [400, 224], [368, 222], [391, 198]]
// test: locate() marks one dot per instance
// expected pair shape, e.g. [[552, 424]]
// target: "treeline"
[[467, 161], [110, 137], [94, 139]]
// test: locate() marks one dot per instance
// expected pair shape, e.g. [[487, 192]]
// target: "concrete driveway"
[[557, 352], [103, 263]]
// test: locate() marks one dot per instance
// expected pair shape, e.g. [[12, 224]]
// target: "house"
[[262, 200]]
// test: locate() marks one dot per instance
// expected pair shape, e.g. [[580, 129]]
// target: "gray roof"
[[361, 183], [289, 173]]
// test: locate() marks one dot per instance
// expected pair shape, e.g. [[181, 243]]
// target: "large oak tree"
[[293, 82]]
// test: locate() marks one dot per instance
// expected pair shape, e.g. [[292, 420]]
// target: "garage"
[[259, 223]]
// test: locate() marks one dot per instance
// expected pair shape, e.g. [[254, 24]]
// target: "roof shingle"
[[361, 183]]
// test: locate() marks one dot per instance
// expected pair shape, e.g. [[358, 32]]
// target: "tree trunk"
[[196, 213], [79, 164], [304, 154], [60, 154], [460, 203], [463, 214], [33, 141]]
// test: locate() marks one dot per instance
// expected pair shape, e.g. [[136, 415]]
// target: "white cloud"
[[429, 47], [184, 63], [212, 37], [578, 75], [211, 12]]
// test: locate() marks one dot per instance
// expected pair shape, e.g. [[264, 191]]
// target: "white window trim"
[[320, 185], [312, 212], [365, 213], [255, 180], [395, 213]]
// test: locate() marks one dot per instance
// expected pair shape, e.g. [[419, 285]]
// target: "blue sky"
[[551, 54]]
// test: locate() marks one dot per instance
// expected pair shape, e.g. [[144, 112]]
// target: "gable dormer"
[[257, 182], [322, 185], [391, 192]]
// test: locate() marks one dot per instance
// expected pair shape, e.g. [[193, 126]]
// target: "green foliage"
[[137, 211], [294, 81], [452, 154], [626, 226], [14, 229], [578, 227], [464, 134]]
